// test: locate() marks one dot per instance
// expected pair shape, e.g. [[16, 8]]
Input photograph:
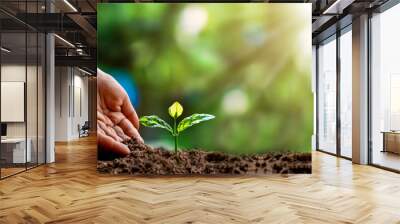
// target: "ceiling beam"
[[78, 61], [83, 23], [337, 7]]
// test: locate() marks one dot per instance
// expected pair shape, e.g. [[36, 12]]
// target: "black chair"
[[84, 130]]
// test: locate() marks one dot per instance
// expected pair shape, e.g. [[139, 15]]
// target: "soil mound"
[[145, 160]]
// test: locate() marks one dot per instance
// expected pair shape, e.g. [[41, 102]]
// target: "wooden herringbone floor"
[[70, 191]]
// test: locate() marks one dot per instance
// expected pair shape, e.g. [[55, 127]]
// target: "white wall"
[[33, 127], [61, 104], [71, 94], [80, 110], [16, 73]]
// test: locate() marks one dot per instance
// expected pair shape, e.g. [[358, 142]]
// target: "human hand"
[[117, 120]]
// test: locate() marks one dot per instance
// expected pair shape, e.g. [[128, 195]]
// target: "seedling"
[[175, 110]]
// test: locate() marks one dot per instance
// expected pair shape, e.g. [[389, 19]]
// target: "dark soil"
[[145, 160]]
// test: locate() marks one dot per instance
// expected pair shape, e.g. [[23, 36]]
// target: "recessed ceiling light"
[[70, 5], [337, 7], [5, 50], [84, 71], [65, 41]]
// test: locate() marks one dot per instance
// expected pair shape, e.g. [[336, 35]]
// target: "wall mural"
[[204, 89]]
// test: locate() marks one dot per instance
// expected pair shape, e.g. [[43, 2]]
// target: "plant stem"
[[175, 136], [176, 143]]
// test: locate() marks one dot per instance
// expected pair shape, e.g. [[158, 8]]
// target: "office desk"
[[13, 150], [391, 141]]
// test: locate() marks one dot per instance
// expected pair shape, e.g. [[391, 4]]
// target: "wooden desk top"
[[13, 140], [391, 132]]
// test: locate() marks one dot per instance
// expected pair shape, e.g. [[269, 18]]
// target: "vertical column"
[[317, 106], [338, 91], [0, 99], [314, 91], [50, 92], [92, 102], [360, 90], [50, 99], [63, 94]]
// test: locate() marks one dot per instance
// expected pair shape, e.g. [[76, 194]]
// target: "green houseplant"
[[175, 111]]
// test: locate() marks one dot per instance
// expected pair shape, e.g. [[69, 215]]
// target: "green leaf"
[[192, 120], [175, 110], [154, 121]]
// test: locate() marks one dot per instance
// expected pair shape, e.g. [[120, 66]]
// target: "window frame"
[[334, 37]]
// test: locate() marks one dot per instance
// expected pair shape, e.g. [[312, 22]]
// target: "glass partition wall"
[[385, 89], [345, 61], [327, 95], [334, 81], [334, 77], [13, 90], [22, 107]]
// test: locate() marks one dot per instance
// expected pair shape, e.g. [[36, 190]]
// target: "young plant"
[[175, 110]]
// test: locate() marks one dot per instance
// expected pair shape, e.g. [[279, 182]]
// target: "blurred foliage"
[[248, 64]]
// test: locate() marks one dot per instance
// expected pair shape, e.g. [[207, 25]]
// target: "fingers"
[[117, 126], [108, 130], [137, 136], [130, 113], [119, 94], [105, 119], [121, 133], [101, 76], [130, 130], [108, 143]]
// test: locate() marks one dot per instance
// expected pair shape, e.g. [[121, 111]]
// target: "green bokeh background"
[[248, 64]]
